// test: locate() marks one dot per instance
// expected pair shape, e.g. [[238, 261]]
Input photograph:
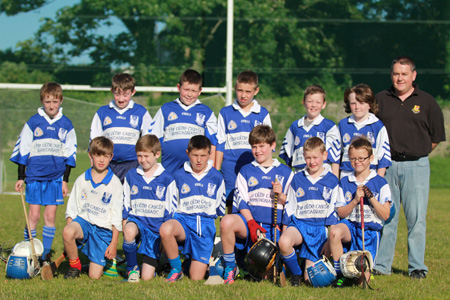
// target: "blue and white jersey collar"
[[275, 163], [327, 169], [352, 177], [316, 121], [58, 116], [370, 120], [184, 106], [157, 172], [188, 168], [256, 108], [130, 105], [105, 180]]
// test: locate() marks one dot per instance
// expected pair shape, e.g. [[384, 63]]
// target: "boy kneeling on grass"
[[94, 213]]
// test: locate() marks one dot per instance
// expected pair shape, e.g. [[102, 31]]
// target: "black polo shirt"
[[413, 124]]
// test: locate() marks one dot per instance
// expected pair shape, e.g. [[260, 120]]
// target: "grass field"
[[396, 286]]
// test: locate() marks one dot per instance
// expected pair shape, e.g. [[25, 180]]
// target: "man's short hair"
[[248, 77], [364, 94], [404, 60], [314, 89], [148, 143], [192, 77], [122, 81], [101, 146], [314, 143], [52, 89], [262, 134], [361, 142], [198, 142]]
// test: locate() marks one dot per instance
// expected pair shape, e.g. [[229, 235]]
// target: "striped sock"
[[75, 263], [337, 267], [229, 260], [26, 236], [130, 250], [175, 263], [291, 262], [48, 234]]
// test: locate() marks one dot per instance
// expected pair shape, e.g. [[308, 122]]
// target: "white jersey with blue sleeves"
[[202, 195], [347, 190], [376, 133], [98, 203], [308, 199], [150, 200], [292, 148], [175, 123], [46, 146], [122, 126], [254, 190], [234, 126]]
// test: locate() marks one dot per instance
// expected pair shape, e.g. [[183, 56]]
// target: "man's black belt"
[[400, 157]]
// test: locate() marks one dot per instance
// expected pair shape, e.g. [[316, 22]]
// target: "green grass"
[[396, 286]]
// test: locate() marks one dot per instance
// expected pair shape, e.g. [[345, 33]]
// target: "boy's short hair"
[[314, 89], [314, 143], [101, 146], [262, 134], [404, 60], [249, 77], [191, 76], [198, 142], [364, 94], [361, 142], [122, 81], [148, 143], [53, 89]]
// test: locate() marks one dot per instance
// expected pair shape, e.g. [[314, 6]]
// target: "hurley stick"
[[33, 250], [48, 271], [275, 213], [361, 204]]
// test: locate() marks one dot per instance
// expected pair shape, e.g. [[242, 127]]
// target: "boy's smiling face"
[[189, 92], [314, 160], [262, 153], [314, 103], [147, 160], [360, 159], [245, 92]]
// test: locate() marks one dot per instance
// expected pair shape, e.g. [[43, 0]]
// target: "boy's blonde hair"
[[361, 142], [192, 77], [198, 142], [314, 143], [364, 94], [53, 89], [122, 81], [101, 146], [249, 77], [314, 89], [262, 134], [148, 143]]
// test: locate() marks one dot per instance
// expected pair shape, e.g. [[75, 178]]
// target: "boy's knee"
[[165, 230], [284, 243], [227, 223]]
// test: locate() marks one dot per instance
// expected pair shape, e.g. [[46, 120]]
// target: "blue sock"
[[337, 267], [291, 262], [229, 259], [175, 263], [48, 233], [130, 250], [26, 237]]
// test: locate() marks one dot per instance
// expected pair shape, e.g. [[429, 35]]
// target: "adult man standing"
[[415, 125]]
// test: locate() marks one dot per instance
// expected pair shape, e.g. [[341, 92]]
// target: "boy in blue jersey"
[[234, 125], [361, 102], [362, 183], [312, 124], [94, 213], [201, 199], [122, 121], [177, 121], [307, 204], [149, 195], [45, 152], [253, 207]]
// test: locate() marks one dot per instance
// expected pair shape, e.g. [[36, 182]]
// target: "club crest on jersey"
[[211, 189], [134, 121], [62, 133], [200, 120], [232, 125], [83, 195], [185, 189], [257, 123], [107, 121], [371, 137], [38, 132], [280, 178], [348, 197], [297, 141], [326, 193], [346, 138], [160, 191], [134, 190], [321, 135], [172, 116], [299, 193], [106, 197], [252, 181], [416, 109]]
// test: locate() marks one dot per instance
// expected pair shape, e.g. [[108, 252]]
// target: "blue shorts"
[[149, 241], [44, 192], [314, 237], [371, 239], [120, 169], [247, 243], [95, 241], [200, 233]]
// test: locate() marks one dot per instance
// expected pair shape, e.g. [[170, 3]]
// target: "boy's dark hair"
[[364, 94], [101, 146], [122, 81], [404, 60], [53, 89], [249, 77], [262, 134], [191, 76], [314, 143], [148, 143], [361, 142], [198, 142], [314, 89]]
